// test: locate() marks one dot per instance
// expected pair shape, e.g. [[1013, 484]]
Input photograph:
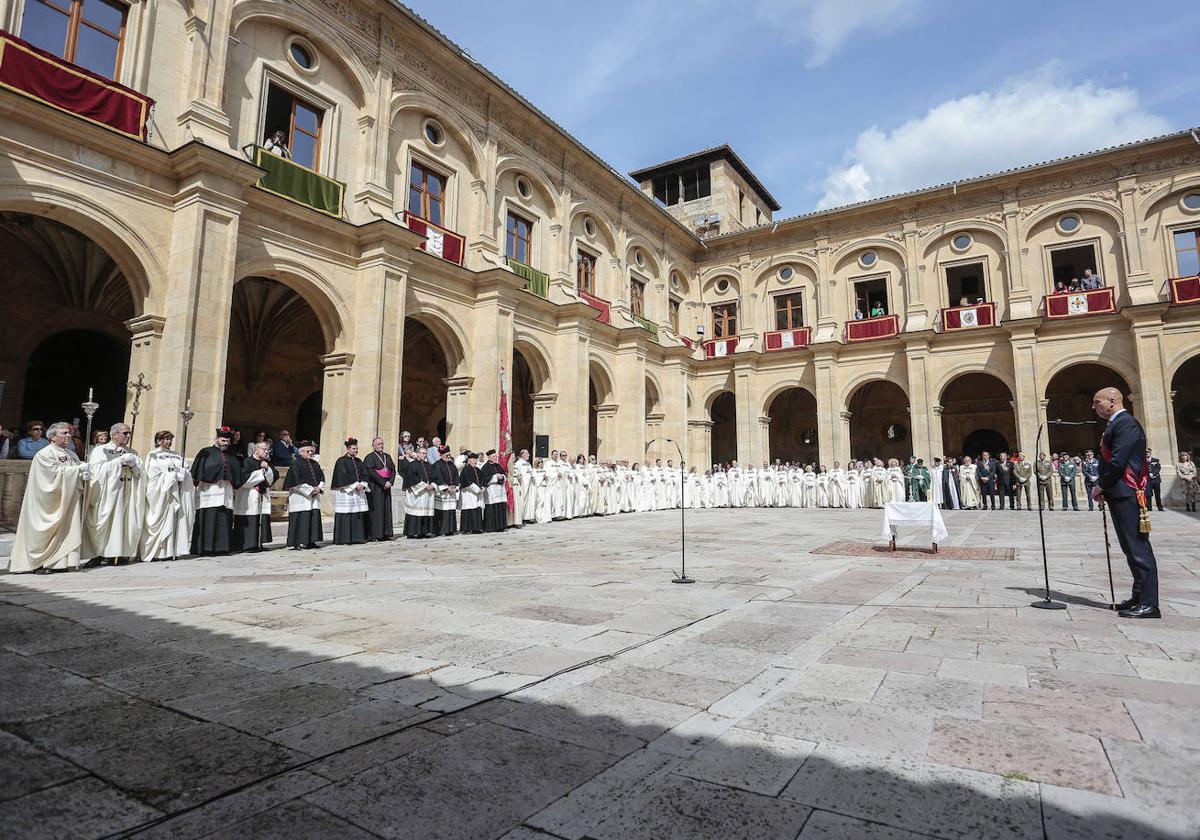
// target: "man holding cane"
[[1122, 483]]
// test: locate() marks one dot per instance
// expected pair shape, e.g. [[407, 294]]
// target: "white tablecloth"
[[925, 514]]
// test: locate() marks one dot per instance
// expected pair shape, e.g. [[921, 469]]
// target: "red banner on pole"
[[505, 441]]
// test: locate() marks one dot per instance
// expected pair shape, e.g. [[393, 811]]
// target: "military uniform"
[[1154, 484], [1045, 472], [1022, 475], [1066, 474], [1091, 474]]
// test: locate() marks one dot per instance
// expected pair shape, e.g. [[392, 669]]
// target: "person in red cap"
[[215, 472]]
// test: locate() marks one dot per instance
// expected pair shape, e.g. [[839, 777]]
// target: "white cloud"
[[824, 25], [1023, 121]]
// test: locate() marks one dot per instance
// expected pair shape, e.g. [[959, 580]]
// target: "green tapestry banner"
[[535, 281], [299, 184]]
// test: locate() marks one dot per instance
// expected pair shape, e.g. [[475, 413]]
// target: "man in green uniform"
[[1023, 473], [1045, 472], [1066, 475]]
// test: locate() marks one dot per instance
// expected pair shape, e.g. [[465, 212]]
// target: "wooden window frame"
[[317, 138], [425, 196], [75, 20], [637, 296], [1175, 251], [511, 237], [793, 314], [726, 317], [585, 278]]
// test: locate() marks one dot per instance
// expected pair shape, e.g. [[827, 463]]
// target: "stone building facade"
[[442, 229]]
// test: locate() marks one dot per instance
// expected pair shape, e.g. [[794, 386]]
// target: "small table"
[[924, 514]]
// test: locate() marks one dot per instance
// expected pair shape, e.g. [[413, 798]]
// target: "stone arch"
[[973, 366], [315, 289], [537, 357], [944, 231], [876, 243], [793, 430], [722, 410], [446, 330], [451, 122], [973, 401], [317, 29], [653, 266], [1113, 362], [1185, 386], [880, 423], [602, 376], [867, 376], [605, 230], [770, 271], [1069, 391], [653, 395], [539, 179], [713, 273], [1067, 205], [1165, 190]]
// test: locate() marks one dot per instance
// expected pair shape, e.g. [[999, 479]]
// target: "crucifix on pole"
[[137, 386]]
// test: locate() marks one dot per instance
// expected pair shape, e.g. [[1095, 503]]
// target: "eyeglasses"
[[37, 429]]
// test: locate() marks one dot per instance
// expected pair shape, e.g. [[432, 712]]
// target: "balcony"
[[604, 316], [288, 179], [872, 329], [1185, 290], [968, 317], [535, 281], [1079, 304], [718, 348], [439, 241], [48, 79], [787, 339], [648, 325]]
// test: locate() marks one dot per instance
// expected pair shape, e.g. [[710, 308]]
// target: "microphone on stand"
[[682, 577]]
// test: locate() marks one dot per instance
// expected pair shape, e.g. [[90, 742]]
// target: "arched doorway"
[[521, 397], [723, 414], [879, 421], [274, 364], [65, 303], [422, 383], [1069, 398], [601, 412], [309, 418], [1186, 386], [793, 429], [977, 415]]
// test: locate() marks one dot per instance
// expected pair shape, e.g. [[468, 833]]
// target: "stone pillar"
[[827, 324], [606, 424], [630, 433], [764, 438], [375, 130], [336, 397], [572, 376], [492, 343], [829, 402], [744, 392], [844, 433], [1138, 281], [937, 443], [1028, 396], [916, 313], [654, 432], [1153, 408], [208, 31], [921, 417], [543, 416], [147, 331], [458, 408], [700, 444], [1021, 302]]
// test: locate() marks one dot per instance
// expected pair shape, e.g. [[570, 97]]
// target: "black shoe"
[[1141, 611], [1126, 605]]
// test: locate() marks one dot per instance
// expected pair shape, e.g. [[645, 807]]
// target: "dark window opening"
[[683, 185], [637, 298], [964, 284], [426, 193], [1068, 264], [871, 297], [300, 122], [673, 314]]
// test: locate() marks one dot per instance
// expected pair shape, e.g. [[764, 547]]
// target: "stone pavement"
[[553, 682]]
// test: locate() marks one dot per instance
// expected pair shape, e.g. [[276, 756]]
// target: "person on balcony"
[[858, 315], [962, 301], [1091, 281], [877, 310], [276, 144]]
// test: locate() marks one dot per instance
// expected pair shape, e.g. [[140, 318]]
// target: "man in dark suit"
[[985, 469], [1155, 482], [1123, 477], [1004, 481]]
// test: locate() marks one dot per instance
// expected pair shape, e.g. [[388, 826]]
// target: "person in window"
[[858, 315], [1091, 281], [877, 310], [978, 301], [1074, 287], [1060, 287], [277, 144], [34, 441], [962, 301]]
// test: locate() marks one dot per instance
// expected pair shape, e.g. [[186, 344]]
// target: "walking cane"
[[1108, 556]]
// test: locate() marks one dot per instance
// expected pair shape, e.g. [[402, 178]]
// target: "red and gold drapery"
[[439, 241], [870, 329], [969, 317], [1185, 290], [787, 339], [1075, 304], [604, 316]]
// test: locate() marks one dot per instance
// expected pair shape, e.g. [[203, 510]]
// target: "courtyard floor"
[[553, 682]]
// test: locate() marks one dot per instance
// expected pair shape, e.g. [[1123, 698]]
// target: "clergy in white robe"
[[583, 487], [837, 486], [823, 488], [895, 477], [116, 499], [214, 472], [968, 485], [170, 503], [556, 486], [808, 488], [880, 494], [305, 484], [50, 527], [522, 476], [853, 498], [720, 489], [544, 511]]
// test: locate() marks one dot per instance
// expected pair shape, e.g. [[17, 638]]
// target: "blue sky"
[[833, 101]]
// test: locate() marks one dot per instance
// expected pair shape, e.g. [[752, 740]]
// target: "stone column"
[[937, 443], [458, 407], [764, 438], [1020, 301], [744, 393], [916, 315], [335, 403], [1153, 408], [543, 416], [630, 433], [829, 402], [1138, 281], [921, 417], [606, 424], [147, 331], [1028, 396], [208, 31], [700, 444], [844, 433], [827, 325], [654, 432]]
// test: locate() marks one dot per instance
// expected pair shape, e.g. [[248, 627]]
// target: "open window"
[[89, 33], [789, 311], [426, 193], [299, 120], [1068, 264], [1187, 252], [683, 185], [519, 238], [637, 297], [585, 272], [964, 284], [724, 320], [871, 297]]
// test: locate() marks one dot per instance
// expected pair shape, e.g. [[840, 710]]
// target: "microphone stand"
[[682, 577], [1046, 603]]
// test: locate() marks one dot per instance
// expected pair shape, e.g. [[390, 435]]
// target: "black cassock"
[[251, 533], [417, 472], [214, 525], [471, 521], [445, 522], [495, 514], [349, 528], [381, 469], [304, 526]]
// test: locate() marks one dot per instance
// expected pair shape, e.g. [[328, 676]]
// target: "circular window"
[[433, 133], [301, 56], [639, 257], [1068, 223], [961, 242], [868, 259], [786, 273], [676, 283], [524, 188], [589, 226], [895, 431], [722, 285], [1191, 201]]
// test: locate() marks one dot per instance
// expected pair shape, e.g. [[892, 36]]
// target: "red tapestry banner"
[[787, 339], [720, 347], [1075, 304], [969, 317], [605, 315], [1185, 290], [438, 240], [60, 84], [870, 329]]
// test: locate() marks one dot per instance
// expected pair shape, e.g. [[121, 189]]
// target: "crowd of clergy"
[[116, 505]]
